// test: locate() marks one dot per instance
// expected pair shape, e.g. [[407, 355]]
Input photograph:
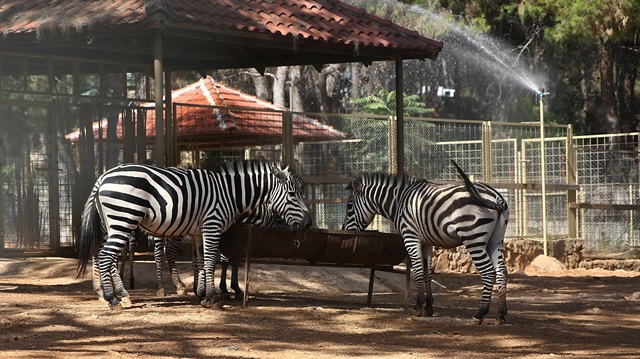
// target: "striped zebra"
[[444, 215], [168, 202], [165, 249]]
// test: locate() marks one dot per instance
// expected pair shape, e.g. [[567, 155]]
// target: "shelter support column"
[[399, 162], [158, 88], [168, 112], [54, 187], [287, 138]]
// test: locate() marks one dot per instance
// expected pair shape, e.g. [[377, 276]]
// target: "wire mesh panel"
[[555, 154], [607, 171], [25, 174]]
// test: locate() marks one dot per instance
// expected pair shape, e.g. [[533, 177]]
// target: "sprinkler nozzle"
[[542, 93]]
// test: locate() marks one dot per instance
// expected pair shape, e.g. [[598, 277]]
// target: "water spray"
[[543, 171]]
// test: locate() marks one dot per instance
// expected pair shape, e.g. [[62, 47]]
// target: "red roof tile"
[[329, 21], [244, 120]]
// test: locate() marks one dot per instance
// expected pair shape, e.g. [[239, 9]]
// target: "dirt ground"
[[317, 312]]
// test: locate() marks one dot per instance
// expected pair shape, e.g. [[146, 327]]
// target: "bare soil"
[[316, 312]]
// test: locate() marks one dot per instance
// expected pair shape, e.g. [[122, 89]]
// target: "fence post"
[[54, 186], [287, 138], [392, 144], [572, 212], [487, 154]]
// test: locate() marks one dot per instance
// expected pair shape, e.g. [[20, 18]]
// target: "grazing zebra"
[[166, 249], [168, 202], [444, 215]]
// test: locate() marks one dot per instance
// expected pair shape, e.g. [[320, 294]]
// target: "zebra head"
[[287, 199], [359, 215]]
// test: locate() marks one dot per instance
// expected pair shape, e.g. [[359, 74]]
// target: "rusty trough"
[[316, 247]]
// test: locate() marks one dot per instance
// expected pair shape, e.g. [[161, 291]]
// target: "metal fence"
[[591, 181]]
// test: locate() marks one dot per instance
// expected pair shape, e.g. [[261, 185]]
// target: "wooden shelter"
[[68, 58], [176, 35]]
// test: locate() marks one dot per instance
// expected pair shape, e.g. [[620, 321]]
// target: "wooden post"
[[372, 277], [407, 282], [399, 117], [287, 138], [54, 186], [158, 72]]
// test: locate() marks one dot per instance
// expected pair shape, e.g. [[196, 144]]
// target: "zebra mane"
[[251, 166], [259, 166], [399, 180]]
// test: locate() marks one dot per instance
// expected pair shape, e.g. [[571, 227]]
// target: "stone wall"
[[518, 255]]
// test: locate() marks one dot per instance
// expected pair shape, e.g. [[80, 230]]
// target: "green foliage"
[[384, 103]]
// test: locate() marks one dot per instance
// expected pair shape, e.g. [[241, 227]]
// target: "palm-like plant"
[[384, 103], [374, 133]]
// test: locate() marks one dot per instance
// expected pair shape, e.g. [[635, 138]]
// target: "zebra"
[[165, 249], [167, 202], [444, 215]]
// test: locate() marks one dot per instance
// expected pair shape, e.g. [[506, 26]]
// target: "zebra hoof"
[[160, 292], [477, 321], [126, 302], [500, 320], [116, 306], [181, 292]]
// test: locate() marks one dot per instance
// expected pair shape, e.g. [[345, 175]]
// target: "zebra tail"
[[91, 234], [473, 191]]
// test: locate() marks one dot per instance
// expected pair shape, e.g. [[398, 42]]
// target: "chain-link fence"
[[591, 181]]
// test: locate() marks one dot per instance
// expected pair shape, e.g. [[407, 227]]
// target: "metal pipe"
[[543, 173]]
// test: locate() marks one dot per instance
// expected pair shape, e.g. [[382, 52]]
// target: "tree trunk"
[[628, 73], [321, 88], [279, 85], [261, 84], [611, 122], [297, 88]]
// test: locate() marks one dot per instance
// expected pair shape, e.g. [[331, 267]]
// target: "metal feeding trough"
[[315, 247]]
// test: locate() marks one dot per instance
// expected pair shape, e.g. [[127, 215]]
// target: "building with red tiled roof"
[[210, 114], [209, 34]]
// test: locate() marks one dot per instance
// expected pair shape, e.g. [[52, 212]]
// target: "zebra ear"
[[355, 186], [281, 174]]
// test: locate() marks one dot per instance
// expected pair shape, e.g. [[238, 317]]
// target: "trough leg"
[[407, 283], [372, 277]]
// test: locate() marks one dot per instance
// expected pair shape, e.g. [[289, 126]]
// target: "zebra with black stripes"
[[444, 215], [165, 249], [168, 202]]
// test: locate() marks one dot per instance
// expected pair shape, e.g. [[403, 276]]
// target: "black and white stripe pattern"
[[166, 249], [168, 202], [443, 215]]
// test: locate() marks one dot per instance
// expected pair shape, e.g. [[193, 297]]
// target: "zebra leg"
[[97, 285], [158, 256], [171, 253], [239, 294], [211, 242], [426, 262], [495, 251], [132, 245], [478, 251], [224, 265], [108, 275], [198, 267], [414, 251]]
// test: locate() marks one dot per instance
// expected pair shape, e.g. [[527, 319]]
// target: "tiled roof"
[[301, 21], [239, 120]]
